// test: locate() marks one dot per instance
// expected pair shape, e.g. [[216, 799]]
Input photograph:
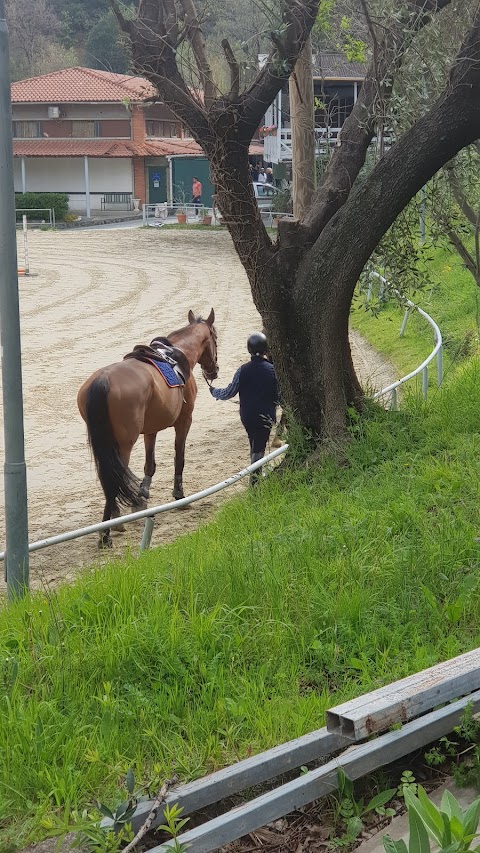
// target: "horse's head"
[[208, 356]]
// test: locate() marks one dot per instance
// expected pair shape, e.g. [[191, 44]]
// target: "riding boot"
[[254, 476]]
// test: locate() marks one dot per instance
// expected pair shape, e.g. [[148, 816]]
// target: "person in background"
[[256, 384], [196, 192], [262, 178], [269, 174]]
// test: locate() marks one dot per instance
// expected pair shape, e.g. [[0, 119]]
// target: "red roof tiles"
[[103, 148], [79, 85]]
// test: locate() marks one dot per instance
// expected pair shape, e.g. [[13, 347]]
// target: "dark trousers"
[[258, 434], [197, 200]]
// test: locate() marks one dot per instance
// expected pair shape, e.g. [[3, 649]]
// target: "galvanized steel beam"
[[405, 699]]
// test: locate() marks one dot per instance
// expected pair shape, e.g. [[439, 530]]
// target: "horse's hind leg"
[[181, 432], [105, 539], [149, 469], [120, 528]]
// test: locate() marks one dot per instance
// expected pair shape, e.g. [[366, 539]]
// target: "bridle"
[[205, 375]]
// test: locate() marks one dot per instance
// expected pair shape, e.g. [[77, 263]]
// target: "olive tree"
[[303, 282]]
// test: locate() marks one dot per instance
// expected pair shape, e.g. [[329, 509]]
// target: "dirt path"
[[94, 295]]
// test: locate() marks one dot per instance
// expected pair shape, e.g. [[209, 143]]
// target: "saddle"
[[160, 349]]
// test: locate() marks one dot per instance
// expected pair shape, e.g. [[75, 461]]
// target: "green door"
[[184, 169], [157, 184]]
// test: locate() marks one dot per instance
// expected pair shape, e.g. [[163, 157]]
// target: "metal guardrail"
[[49, 210], [149, 514], [423, 367], [164, 210]]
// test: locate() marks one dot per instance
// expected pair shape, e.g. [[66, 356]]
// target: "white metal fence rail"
[[149, 514], [423, 367], [50, 211], [161, 212]]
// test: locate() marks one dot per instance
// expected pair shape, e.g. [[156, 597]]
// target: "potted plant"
[[181, 210], [205, 216]]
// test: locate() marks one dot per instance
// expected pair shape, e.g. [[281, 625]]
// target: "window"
[[27, 129], [85, 129], [162, 129]]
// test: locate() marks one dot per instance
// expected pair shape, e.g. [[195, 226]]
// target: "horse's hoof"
[[105, 542], [140, 503]]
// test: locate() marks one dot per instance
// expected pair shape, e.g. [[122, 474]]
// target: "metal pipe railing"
[[191, 210], [149, 514], [423, 367]]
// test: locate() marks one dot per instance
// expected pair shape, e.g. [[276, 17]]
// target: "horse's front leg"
[[182, 428], [149, 469]]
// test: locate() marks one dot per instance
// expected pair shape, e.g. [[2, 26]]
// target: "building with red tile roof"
[[95, 133]]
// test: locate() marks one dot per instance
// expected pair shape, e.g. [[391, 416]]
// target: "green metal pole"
[[15, 474]]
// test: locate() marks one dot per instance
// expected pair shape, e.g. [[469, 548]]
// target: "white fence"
[[161, 212], [48, 213], [437, 351], [149, 514]]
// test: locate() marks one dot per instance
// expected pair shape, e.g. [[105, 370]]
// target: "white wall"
[[66, 174]]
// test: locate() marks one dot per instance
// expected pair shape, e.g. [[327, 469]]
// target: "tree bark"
[[303, 132]]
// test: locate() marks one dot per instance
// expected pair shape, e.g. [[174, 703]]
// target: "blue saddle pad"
[[168, 373]]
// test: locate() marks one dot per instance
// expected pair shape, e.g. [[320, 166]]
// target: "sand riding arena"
[[95, 294]]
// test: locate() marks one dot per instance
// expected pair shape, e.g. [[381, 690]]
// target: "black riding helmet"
[[257, 344]]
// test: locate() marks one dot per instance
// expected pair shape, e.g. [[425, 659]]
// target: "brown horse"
[[130, 397]]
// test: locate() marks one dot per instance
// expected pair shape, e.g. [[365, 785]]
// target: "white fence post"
[[404, 323], [440, 366], [147, 533], [425, 382]]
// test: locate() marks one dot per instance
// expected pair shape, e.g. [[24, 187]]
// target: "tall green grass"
[[307, 591]]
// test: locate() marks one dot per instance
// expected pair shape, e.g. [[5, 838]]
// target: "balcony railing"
[[278, 147]]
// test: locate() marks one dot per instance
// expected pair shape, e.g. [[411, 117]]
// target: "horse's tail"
[[117, 481]]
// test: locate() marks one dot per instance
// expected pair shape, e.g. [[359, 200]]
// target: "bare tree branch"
[[459, 194], [462, 250], [196, 39], [154, 38], [234, 70], [359, 128]]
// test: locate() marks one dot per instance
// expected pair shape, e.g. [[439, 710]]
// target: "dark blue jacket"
[[256, 384]]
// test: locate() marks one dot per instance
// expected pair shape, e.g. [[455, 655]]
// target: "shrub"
[[282, 201], [58, 201]]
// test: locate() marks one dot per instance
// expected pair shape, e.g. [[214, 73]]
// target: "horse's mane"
[[184, 328]]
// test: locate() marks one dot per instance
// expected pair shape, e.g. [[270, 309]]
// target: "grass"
[[453, 302], [240, 635]]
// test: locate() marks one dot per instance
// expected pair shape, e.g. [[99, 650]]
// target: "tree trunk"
[[303, 132]]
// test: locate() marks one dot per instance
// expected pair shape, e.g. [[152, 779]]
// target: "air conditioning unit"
[[54, 112]]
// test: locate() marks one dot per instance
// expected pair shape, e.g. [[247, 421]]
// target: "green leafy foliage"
[[437, 755], [467, 771], [106, 47], [353, 811], [451, 828], [30, 201], [407, 783]]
